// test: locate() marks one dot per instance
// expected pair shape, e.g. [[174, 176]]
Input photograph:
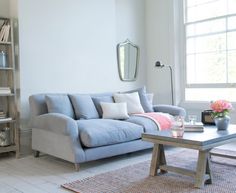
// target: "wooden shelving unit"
[[8, 100]]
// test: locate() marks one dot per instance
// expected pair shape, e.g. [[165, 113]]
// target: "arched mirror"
[[127, 56]]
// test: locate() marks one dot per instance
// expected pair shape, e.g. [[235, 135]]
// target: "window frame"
[[184, 24]]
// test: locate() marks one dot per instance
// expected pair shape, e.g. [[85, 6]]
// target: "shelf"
[[3, 95], [4, 18], [6, 68], [2, 121], [8, 148], [5, 43], [8, 87]]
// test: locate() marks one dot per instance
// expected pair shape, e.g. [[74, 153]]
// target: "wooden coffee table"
[[201, 141]]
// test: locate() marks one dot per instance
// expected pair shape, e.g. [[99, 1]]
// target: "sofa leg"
[[36, 153], [76, 166]]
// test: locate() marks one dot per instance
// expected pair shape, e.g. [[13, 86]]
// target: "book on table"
[[196, 127]]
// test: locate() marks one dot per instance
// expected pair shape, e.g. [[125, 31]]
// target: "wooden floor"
[[45, 174]]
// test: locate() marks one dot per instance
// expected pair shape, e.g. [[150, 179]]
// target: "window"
[[210, 31]]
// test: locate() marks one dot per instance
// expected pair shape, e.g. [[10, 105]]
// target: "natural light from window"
[[210, 28]]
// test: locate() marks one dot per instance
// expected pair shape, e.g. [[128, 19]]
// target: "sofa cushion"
[[149, 125], [97, 102], [150, 98], [100, 132], [114, 110], [147, 106], [59, 103], [132, 100], [83, 106]]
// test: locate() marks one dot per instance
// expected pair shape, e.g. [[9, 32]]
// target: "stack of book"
[[2, 115], [5, 90], [196, 127], [6, 119], [4, 31]]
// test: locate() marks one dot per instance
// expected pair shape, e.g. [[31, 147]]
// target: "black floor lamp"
[[159, 65]]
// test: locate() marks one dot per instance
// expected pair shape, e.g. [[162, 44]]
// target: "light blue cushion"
[[98, 100], [100, 132], [59, 103], [147, 106], [83, 106]]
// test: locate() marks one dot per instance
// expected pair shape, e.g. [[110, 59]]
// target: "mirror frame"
[[119, 63]]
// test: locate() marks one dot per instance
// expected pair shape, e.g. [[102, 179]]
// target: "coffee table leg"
[[208, 170], [158, 158], [155, 160], [163, 158], [203, 168]]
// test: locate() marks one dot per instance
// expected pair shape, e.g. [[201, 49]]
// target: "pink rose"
[[221, 105]]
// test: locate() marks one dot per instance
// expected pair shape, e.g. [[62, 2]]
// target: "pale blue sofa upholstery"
[[81, 140], [101, 132]]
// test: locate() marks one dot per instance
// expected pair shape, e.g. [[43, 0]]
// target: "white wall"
[[70, 45], [130, 24], [158, 26], [162, 40]]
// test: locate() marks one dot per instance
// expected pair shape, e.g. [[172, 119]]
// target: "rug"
[[136, 179]]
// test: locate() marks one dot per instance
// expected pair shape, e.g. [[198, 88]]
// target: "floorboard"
[[46, 173]]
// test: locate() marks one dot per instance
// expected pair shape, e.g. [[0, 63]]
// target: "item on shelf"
[[2, 115], [3, 59], [196, 127], [5, 139], [4, 32], [5, 119], [5, 90]]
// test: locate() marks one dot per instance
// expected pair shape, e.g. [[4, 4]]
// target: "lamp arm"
[[159, 65]]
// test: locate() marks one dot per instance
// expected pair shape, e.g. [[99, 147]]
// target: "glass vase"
[[177, 127]]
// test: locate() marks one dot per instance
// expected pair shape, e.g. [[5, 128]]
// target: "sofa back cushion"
[[150, 99], [97, 102], [132, 100], [59, 103], [38, 105], [147, 106], [83, 106]]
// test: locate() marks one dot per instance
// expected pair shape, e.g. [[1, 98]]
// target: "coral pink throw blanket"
[[163, 120]]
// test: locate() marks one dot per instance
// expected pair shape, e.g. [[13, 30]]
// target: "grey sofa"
[[58, 129]]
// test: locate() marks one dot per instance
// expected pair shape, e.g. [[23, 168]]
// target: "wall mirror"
[[128, 58]]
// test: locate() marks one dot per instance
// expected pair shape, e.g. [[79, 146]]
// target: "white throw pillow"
[[114, 110], [132, 100]]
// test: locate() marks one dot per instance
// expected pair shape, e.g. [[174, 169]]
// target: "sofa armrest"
[[173, 110], [64, 125], [55, 122]]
